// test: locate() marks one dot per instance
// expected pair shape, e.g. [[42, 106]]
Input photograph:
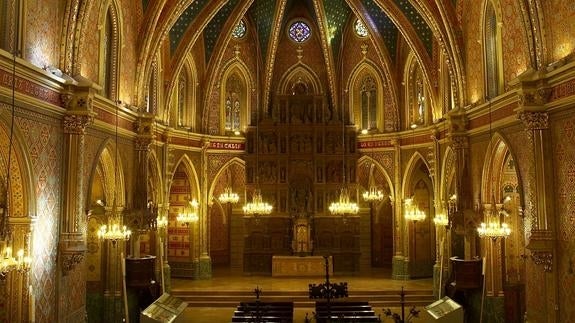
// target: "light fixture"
[[412, 211], [373, 193], [189, 213], [343, 205], [8, 262], [228, 195], [257, 206], [442, 215], [115, 231], [493, 227]]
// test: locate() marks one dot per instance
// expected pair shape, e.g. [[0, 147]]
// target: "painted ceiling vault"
[[203, 28]]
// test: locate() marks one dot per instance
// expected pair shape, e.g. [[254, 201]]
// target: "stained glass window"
[[360, 28], [239, 30], [299, 31]]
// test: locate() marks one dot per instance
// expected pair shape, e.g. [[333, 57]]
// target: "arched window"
[[109, 45], [417, 112], [368, 103], [233, 103], [182, 93], [493, 75]]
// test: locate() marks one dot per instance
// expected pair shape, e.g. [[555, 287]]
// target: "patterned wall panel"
[[563, 132], [472, 51], [44, 141], [132, 21], [515, 48], [558, 17], [87, 60], [43, 35]]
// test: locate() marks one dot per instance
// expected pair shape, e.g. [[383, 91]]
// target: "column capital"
[[534, 120], [76, 123]]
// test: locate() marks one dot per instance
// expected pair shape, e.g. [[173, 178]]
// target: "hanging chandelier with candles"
[[189, 213], [373, 194], [257, 206], [115, 231], [493, 227], [441, 218], [343, 205], [228, 196], [412, 212]]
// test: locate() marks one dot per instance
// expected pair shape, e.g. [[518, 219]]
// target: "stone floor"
[[226, 281]]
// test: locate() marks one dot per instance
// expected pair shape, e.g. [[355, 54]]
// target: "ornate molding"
[[544, 258], [535, 97], [534, 120], [459, 142], [77, 123], [143, 143], [70, 260]]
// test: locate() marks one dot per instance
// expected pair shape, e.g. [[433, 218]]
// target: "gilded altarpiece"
[[300, 170]]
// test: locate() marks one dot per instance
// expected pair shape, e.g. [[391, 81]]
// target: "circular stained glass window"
[[360, 28], [239, 30], [299, 31]]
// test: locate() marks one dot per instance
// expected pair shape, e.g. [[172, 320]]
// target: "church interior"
[[160, 146]]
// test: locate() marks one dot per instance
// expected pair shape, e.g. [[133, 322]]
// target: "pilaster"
[[534, 95], [73, 223]]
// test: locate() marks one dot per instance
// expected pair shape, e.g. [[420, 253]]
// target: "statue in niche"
[[300, 197]]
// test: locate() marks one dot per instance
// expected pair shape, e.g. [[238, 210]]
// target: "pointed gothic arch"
[[235, 98], [366, 100], [491, 22], [417, 93], [111, 22], [300, 79]]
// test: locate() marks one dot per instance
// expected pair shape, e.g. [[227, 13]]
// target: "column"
[[400, 264], [461, 245], [205, 264], [143, 218], [539, 199], [73, 223]]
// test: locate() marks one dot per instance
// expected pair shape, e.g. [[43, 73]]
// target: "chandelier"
[[493, 227], [373, 194], [343, 205], [162, 219], [441, 219], [115, 231], [412, 212], [229, 196], [257, 206], [189, 213]]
